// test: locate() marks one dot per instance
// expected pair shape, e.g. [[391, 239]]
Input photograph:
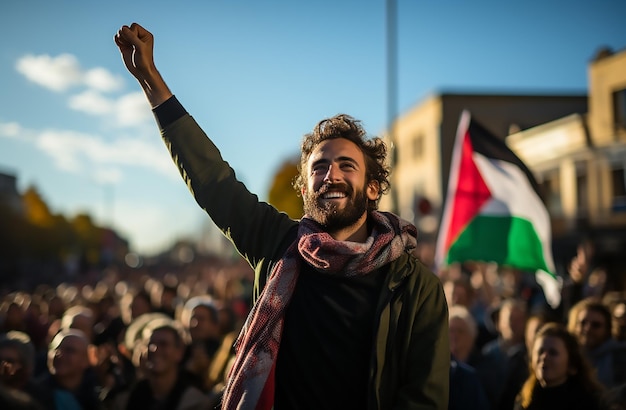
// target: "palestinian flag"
[[492, 212]]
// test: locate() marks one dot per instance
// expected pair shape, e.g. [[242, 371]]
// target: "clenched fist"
[[136, 45]]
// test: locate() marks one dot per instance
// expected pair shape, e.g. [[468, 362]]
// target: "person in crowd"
[[225, 354], [619, 321], [533, 323], [12, 315], [228, 320], [41, 356], [616, 302], [560, 376], [577, 275], [512, 322], [37, 321], [466, 390], [199, 316], [105, 310], [163, 385], [79, 317], [112, 370], [133, 340], [73, 385], [134, 304], [463, 332], [17, 363], [164, 295], [502, 364], [101, 352], [342, 308], [591, 322], [56, 306], [459, 291]]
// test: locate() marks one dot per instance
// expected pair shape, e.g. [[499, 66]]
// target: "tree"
[[36, 209], [283, 195]]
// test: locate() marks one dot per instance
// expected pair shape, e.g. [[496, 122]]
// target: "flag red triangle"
[[471, 192]]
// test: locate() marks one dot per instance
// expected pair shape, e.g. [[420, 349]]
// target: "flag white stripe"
[[513, 195]]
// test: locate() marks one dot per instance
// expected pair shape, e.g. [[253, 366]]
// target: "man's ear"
[[302, 191], [373, 190]]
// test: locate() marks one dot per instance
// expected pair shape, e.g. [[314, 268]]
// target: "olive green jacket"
[[411, 357]]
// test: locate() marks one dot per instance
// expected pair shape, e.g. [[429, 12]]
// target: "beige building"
[[574, 143], [580, 161], [422, 141]]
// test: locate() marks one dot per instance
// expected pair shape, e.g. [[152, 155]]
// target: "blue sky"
[[256, 75]]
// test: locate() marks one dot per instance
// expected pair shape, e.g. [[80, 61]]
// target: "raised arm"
[[254, 227], [136, 45]]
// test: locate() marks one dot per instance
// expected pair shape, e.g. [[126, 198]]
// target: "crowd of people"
[[520, 353], [120, 344], [158, 343]]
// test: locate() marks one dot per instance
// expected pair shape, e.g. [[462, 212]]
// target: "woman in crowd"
[[560, 376]]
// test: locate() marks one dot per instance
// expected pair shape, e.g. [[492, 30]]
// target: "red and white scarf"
[[251, 379]]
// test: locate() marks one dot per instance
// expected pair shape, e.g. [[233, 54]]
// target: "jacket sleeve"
[[255, 228], [428, 367]]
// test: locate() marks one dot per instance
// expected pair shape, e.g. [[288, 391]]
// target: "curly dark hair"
[[344, 126]]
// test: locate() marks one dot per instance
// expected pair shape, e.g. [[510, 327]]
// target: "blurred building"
[[574, 143], [9, 195], [580, 160], [423, 138]]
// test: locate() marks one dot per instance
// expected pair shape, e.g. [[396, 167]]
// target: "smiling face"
[[337, 192], [550, 361]]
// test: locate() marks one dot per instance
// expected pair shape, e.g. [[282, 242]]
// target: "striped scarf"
[[251, 378]]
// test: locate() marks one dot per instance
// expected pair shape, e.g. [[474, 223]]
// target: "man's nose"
[[331, 174]]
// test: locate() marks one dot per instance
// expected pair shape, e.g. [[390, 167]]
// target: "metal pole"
[[392, 56]]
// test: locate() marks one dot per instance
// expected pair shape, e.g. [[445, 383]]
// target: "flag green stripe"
[[482, 240]]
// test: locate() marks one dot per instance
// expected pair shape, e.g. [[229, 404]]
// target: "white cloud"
[[55, 73], [91, 102], [63, 147], [76, 152], [133, 110], [102, 80], [63, 72], [10, 130], [129, 111]]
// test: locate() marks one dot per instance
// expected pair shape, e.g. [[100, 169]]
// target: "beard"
[[329, 214]]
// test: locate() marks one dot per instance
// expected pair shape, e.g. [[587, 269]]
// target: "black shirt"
[[325, 352]]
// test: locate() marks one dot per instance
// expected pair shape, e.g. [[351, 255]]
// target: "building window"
[[619, 109], [619, 190]]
